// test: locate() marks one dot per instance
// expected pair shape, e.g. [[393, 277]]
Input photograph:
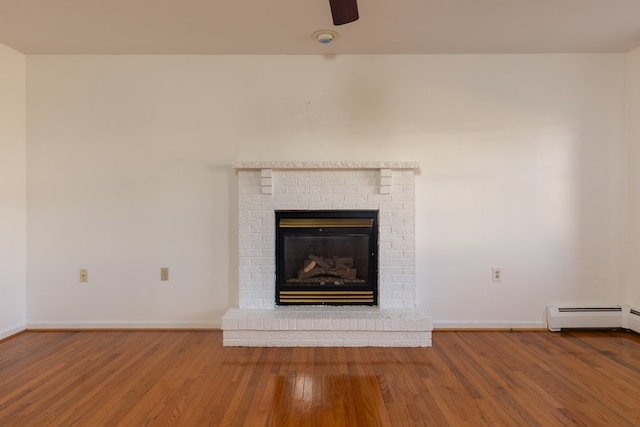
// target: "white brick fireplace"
[[265, 187]]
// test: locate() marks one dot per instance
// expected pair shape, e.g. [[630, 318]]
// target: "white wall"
[[633, 102], [13, 193], [129, 170]]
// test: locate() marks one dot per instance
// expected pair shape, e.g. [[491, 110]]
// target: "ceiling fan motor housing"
[[344, 11]]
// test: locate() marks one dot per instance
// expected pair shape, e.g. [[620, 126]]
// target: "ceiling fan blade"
[[344, 11]]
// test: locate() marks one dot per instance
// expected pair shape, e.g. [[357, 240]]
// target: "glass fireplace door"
[[326, 257]]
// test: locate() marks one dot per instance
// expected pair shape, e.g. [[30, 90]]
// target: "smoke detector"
[[325, 36]]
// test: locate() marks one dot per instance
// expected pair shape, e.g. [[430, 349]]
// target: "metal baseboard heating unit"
[[559, 317], [634, 320]]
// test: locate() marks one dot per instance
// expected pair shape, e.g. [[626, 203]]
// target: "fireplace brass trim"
[[326, 292], [326, 296], [364, 300], [326, 222]]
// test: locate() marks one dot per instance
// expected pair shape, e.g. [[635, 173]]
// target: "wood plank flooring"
[[186, 378]]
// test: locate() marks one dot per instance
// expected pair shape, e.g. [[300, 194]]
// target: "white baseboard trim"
[[46, 324], [489, 324], [6, 333]]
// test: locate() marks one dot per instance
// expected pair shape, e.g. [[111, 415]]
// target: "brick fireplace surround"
[[265, 187]]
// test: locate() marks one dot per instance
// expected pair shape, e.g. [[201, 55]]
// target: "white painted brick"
[[367, 189], [297, 190], [360, 181], [391, 270], [263, 280], [402, 197], [313, 181], [259, 198], [268, 205], [246, 267], [287, 181], [344, 190], [385, 190], [279, 189], [314, 189], [408, 237], [377, 199], [367, 205], [409, 221], [409, 270], [384, 229], [388, 261], [260, 244], [335, 323], [250, 253], [252, 189], [308, 324], [358, 198], [333, 180], [245, 229], [266, 181], [332, 197], [392, 221], [318, 205], [393, 206], [296, 205], [308, 198], [317, 324], [403, 246], [403, 295], [401, 229], [344, 205], [283, 198]]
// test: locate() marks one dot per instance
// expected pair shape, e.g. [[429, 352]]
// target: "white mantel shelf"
[[326, 165]]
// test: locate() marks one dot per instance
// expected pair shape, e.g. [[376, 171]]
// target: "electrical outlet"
[[164, 274], [496, 274], [84, 275]]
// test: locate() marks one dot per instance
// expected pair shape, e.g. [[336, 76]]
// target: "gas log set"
[[335, 271]]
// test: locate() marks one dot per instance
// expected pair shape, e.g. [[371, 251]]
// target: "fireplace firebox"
[[327, 257]]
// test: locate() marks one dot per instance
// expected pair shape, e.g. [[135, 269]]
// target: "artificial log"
[[320, 261], [308, 265], [343, 274], [344, 263], [335, 267]]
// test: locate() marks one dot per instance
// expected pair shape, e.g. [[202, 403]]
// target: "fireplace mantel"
[[387, 187], [383, 168], [326, 165]]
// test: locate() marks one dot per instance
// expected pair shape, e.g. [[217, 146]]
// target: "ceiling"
[[285, 26]]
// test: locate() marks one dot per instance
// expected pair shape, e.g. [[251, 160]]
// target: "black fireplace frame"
[[327, 223]]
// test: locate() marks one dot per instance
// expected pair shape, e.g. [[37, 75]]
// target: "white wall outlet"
[[164, 274], [84, 275], [496, 274]]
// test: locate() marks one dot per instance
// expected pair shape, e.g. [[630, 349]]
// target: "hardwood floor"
[[184, 378]]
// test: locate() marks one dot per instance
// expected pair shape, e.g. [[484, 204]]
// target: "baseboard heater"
[[634, 320], [559, 318]]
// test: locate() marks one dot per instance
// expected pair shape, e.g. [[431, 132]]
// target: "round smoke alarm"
[[324, 36]]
